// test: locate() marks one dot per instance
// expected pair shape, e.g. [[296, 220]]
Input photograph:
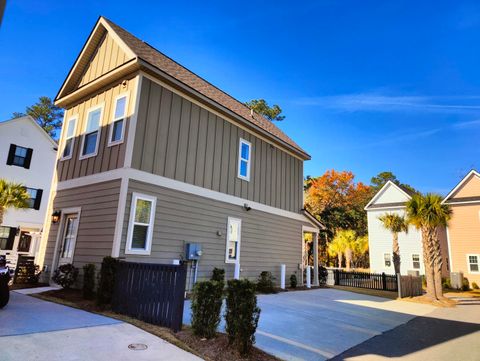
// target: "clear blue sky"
[[366, 86]]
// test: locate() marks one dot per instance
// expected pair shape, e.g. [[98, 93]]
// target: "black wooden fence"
[[374, 281], [152, 293]]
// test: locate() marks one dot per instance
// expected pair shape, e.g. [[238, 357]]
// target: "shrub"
[[106, 281], [206, 306], [265, 283], [465, 285], [65, 275], [475, 286], [88, 281], [446, 283], [241, 315], [424, 281], [322, 275], [293, 281], [218, 274]]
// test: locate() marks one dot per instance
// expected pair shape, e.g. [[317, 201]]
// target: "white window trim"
[[85, 130], [110, 131], [227, 260], [148, 245], [419, 261], [391, 260], [249, 161], [478, 263], [72, 118]]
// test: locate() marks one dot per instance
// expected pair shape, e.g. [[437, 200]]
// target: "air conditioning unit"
[[413, 273], [456, 280]]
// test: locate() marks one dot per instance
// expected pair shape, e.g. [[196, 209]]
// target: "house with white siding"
[[155, 161]]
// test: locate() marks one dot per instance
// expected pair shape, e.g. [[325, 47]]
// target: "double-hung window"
[[473, 263], [244, 159], [69, 139], [7, 237], [387, 259], [19, 156], [234, 230], [117, 128], [35, 198], [92, 133], [416, 261], [140, 227]]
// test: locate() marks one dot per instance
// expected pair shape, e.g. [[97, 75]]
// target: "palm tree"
[[360, 248], [336, 249], [12, 195], [344, 241], [427, 213], [395, 224]]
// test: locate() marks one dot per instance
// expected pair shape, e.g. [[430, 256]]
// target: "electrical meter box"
[[193, 251]]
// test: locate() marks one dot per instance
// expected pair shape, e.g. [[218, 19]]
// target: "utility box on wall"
[[193, 251]]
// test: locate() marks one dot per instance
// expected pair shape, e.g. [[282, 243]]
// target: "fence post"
[[283, 271], [384, 281], [309, 275], [399, 285], [336, 277]]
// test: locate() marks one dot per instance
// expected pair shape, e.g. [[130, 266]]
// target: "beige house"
[[463, 231], [153, 158]]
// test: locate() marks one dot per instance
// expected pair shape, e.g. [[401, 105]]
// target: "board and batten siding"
[[267, 240], [99, 203], [176, 138], [108, 157]]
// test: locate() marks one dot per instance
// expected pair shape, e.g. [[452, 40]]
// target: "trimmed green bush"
[[475, 286], [206, 306], [241, 315], [88, 281], [65, 275], [106, 281], [322, 275], [265, 283], [293, 281], [218, 274], [465, 285], [446, 283]]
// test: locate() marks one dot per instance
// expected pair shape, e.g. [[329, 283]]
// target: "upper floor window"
[[387, 259], [416, 261], [244, 155], [140, 227], [7, 237], [35, 198], [19, 156], [117, 128], [69, 139], [92, 133], [473, 263]]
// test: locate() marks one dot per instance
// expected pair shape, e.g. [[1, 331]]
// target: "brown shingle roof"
[[154, 57]]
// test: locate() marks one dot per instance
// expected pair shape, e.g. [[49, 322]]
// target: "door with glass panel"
[[67, 247]]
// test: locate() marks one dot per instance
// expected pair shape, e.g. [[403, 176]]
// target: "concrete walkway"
[[32, 329]]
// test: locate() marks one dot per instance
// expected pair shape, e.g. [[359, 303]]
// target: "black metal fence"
[[26, 271], [152, 293], [374, 281]]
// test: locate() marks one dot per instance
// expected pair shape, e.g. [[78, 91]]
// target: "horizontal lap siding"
[[178, 139], [267, 240], [99, 203]]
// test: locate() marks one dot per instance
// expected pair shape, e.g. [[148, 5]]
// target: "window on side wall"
[[7, 237], [117, 128], [92, 133], [35, 198], [69, 139], [416, 261], [387, 259], [140, 227], [234, 229], [19, 156], [244, 159], [473, 263]]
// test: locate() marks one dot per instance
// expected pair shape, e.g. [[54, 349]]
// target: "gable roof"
[[408, 193], [148, 54], [473, 172], [28, 118]]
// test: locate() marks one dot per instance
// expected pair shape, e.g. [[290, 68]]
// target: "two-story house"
[[27, 156], [153, 157]]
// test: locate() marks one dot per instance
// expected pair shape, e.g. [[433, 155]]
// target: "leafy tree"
[[395, 224], [261, 107], [46, 114], [427, 213], [12, 195], [382, 178]]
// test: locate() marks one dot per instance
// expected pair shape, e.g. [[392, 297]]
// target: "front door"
[[70, 228]]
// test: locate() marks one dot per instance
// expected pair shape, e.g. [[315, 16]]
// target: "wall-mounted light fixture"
[[246, 207], [56, 216]]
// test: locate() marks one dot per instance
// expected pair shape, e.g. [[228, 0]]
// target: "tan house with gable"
[[463, 231], [152, 158]]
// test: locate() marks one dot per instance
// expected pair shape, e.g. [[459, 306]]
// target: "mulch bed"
[[21, 286]]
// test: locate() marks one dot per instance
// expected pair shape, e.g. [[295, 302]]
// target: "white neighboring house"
[[27, 156], [391, 198]]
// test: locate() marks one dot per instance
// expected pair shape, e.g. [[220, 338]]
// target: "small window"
[[35, 198], [387, 259], [473, 263], [69, 139], [19, 156], [117, 128], [91, 136], [244, 155], [7, 237], [140, 228], [416, 261], [233, 240]]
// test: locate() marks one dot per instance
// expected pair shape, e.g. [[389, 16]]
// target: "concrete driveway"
[[32, 329], [320, 324]]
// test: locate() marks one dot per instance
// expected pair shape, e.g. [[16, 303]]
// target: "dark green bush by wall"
[[265, 283], [206, 307], [293, 281], [89, 281], [106, 281], [218, 274], [65, 275]]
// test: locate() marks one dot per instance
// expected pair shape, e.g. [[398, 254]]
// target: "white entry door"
[[70, 228]]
